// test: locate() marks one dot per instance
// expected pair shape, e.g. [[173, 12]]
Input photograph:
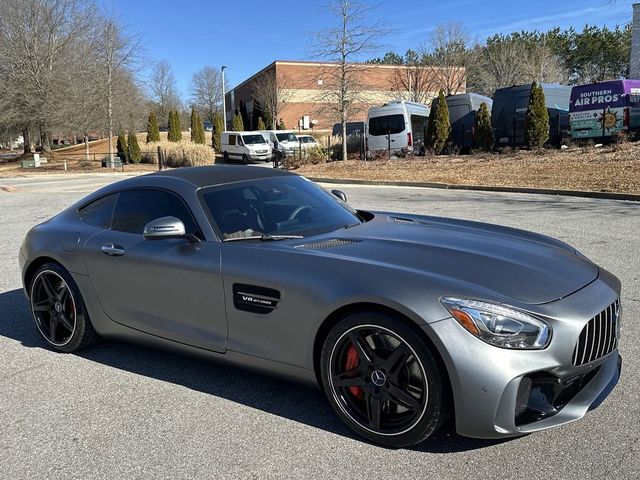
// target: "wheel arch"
[[33, 267], [337, 315]]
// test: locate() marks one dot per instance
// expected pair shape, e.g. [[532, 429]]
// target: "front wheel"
[[382, 380], [58, 310]]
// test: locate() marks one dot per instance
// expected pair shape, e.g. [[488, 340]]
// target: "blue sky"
[[247, 35]]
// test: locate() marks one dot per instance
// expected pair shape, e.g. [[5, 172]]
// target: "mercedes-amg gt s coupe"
[[403, 320]]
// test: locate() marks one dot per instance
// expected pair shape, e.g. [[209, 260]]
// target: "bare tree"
[[507, 61], [116, 52], [414, 80], [541, 65], [448, 53], [501, 65], [35, 38], [206, 91], [163, 90], [344, 44], [272, 93]]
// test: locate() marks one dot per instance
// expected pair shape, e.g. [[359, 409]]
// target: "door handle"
[[112, 250]]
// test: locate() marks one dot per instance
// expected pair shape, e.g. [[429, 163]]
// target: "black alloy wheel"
[[382, 380], [58, 310], [53, 308]]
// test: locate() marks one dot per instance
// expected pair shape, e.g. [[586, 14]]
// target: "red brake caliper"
[[352, 362]]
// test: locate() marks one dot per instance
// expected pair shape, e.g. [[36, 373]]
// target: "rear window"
[[388, 124], [100, 212]]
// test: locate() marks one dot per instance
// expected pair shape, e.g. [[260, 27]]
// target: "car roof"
[[220, 174]]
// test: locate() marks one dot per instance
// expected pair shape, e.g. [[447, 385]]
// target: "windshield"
[[286, 137], [253, 139], [276, 206]]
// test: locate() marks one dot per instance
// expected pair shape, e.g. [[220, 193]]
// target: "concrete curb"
[[484, 188]]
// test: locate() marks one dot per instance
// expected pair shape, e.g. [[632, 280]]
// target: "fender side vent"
[[254, 298], [333, 242], [406, 221]]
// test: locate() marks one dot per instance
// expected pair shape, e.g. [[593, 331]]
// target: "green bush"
[[153, 132], [134, 148], [484, 131], [197, 129], [122, 147], [537, 130], [441, 128], [218, 128], [281, 125], [237, 125], [175, 133]]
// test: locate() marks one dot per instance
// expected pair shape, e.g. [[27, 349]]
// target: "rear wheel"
[[225, 157], [58, 310], [382, 379]]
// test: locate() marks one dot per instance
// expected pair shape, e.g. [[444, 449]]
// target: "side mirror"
[[165, 228], [340, 194]]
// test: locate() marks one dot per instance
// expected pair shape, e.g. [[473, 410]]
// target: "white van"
[[244, 146], [398, 126], [283, 142]]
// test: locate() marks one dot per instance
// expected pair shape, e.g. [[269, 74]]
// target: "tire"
[[225, 157], [245, 159], [401, 364], [73, 330]]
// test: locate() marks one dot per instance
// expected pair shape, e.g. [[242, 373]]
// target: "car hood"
[[524, 266]]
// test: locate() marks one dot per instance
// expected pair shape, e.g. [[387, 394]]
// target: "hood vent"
[[404, 220], [330, 243]]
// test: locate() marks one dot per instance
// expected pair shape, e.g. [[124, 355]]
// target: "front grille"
[[334, 242], [599, 336]]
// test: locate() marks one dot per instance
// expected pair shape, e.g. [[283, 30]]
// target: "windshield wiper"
[[264, 238]]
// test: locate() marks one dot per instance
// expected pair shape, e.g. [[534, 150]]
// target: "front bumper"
[[500, 392], [260, 156]]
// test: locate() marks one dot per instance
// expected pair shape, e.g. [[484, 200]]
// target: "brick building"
[[306, 91]]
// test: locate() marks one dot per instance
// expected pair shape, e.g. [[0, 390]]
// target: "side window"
[[135, 208], [99, 212], [232, 139]]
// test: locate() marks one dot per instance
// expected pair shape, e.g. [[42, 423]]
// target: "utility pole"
[[224, 100]]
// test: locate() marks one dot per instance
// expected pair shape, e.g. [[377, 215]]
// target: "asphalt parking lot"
[[125, 411]]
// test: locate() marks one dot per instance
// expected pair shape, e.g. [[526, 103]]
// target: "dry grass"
[[179, 154], [614, 168]]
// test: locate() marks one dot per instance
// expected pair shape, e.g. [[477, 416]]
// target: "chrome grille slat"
[[605, 342], [598, 337]]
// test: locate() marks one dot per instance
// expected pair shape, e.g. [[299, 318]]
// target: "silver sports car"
[[403, 320]]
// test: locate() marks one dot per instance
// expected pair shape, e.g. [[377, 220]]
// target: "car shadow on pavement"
[[273, 395]]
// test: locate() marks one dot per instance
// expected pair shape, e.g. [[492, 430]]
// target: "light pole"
[[224, 100]]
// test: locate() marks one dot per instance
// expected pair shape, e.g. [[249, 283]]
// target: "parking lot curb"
[[485, 188]]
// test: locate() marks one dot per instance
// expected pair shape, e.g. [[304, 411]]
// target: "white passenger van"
[[398, 126], [244, 146], [283, 142]]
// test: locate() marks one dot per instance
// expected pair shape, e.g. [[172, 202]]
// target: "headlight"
[[499, 325]]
